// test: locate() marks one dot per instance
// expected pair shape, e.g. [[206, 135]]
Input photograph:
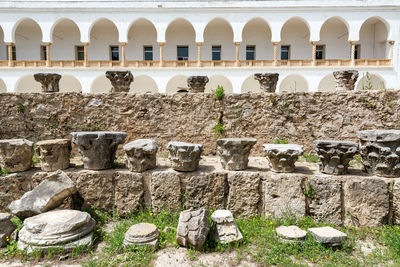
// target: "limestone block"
[[120, 80], [244, 193], [366, 201], [290, 233], [197, 84], [380, 152], [98, 148], [184, 156], [48, 195], [345, 80], [283, 194], [282, 157], [328, 235], [54, 154], [208, 190], [193, 227], [142, 234], [56, 229], [50, 81], [13, 187], [165, 191], [225, 229], [141, 155], [234, 152], [128, 192], [396, 202], [335, 156], [267, 81], [16, 155], [326, 203], [6, 228]]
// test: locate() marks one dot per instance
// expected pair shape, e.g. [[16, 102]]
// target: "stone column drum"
[[16, 155], [345, 80], [54, 154], [141, 155], [98, 148], [142, 234], [197, 84], [184, 156], [282, 157], [335, 156], [120, 80], [50, 81], [267, 81], [380, 152], [234, 152]]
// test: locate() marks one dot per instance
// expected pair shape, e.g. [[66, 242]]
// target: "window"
[[357, 52], [14, 53], [79, 53], [43, 55], [216, 52], [285, 52], [114, 53], [183, 52], [148, 53], [250, 52], [320, 52]]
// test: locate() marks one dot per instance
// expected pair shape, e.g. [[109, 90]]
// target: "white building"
[[163, 41]]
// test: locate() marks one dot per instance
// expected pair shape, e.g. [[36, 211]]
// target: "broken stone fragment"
[[380, 152], [16, 155], [57, 229], [98, 148], [197, 84], [120, 80], [267, 81], [290, 233], [54, 154], [282, 157], [335, 156], [48, 195], [141, 155], [142, 234], [184, 156], [193, 227], [50, 81], [225, 229], [6, 228], [234, 152], [328, 235], [345, 80]]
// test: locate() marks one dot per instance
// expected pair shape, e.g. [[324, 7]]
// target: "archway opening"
[[176, 83], [250, 85], [293, 83], [216, 80], [27, 84], [101, 85], [256, 35], [295, 40], [69, 83], [334, 42], [143, 84], [370, 81], [66, 41], [180, 41], [104, 44], [373, 39], [142, 41], [327, 84], [28, 41], [218, 41]]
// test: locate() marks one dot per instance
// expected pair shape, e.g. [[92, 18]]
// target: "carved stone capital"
[[141, 155], [267, 81], [16, 155], [184, 156], [50, 81], [120, 80], [282, 157], [54, 154], [345, 80], [224, 228], [197, 84], [234, 152]]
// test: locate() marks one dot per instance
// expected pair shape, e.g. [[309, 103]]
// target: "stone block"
[[166, 191], [54, 154], [328, 235], [396, 202], [141, 155], [128, 192], [13, 187], [16, 155], [193, 227], [142, 234], [290, 233], [225, 229]]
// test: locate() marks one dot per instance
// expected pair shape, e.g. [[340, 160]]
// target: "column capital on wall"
[[275, 43], [237, 43], [86, 43], [314, 42], [9, 43], [391, 42], [123, 43], [161, 43], [48, 43], [353, 42], [199, 43]]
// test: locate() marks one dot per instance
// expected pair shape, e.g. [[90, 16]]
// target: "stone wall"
[[297, 117]]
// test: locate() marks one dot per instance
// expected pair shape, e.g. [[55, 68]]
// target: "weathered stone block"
[[141, 155], [328, 235], [396, 202], [13, 187], [197, 84], [16, 155], [267, 81], [128, 192], [366, 201], [244, 193], [166, 191], [234, 152], [225, 229], [54, 154], [346, 79], [193, 227], [290, 233], [120, 80], [50, 81], [142, 234]]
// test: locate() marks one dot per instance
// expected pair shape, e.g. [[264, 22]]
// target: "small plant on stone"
[[4, 172], [165, 155], [219, 129], [280, 141], [310, 157], [21, 108], [309, 191], [219, 92], [357, 161], [368, 82]]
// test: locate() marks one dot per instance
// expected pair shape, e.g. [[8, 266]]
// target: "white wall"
[[140, 34], [373, 40], [257, 32], [218, 32], [296, 34], [180, 32], [66, 36], [334, 35], [143, 84], [28, 39], [250, 85], [376, 82], [3, 47], [176, 83], [293, 83], [103, 34]]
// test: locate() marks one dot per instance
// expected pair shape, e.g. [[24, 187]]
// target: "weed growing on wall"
[[219, 129], [280, 141], [219, 92], [368, 82]]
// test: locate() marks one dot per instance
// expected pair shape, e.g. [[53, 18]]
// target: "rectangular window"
[[250, 52], [216, 52], [357, 52], [43, 54], [148, 53], [320, 52], [285, 52], [79, 53], [114, 53], [14, 53], [183, 52]]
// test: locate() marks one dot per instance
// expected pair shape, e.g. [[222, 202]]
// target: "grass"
[[310, 157]]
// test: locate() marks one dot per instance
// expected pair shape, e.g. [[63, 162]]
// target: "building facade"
[[164, 42]]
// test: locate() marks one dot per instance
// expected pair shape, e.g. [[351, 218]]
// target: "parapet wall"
[[297, 117]]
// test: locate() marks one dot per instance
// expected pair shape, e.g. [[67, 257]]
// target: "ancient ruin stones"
[[59, 229], [380, 152], [141, 155], [225, 229], [234, 152], [345, 80], [48, 195], [50, 81], [6, 228], [197, 84], [289, 234], [98, 148], [16, 155], [335, 156], [282, 157], [54, 154], [120, 80], [267, 81], [193, 227], [165, 190], [184, 156], [142, 234], [328, 235]]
